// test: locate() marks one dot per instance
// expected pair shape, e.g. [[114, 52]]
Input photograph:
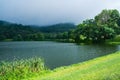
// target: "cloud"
[[44, 12]]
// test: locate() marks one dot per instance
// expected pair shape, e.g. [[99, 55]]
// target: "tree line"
[[104, 26], [19, 32]]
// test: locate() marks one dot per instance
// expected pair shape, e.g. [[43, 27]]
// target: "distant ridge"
[[56, 28], [61, 27], [14, 31]]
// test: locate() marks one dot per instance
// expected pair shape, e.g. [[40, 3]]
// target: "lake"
[[54, 54]]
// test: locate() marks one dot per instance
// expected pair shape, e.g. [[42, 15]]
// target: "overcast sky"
[[46, 12]]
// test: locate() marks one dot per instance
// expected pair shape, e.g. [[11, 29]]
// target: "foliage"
[[18, 32], [109, 18], [21, 69], [116, 39], [105, 26], [95, 34]]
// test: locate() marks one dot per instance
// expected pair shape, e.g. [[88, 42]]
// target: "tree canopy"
[[104, 26]]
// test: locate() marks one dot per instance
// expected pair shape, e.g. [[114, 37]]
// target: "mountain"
[[62, 27], [12, 30], [56, 28]]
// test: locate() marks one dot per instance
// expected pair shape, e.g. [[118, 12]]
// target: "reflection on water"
[[54, 54]]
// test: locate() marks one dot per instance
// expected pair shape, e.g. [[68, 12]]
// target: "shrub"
[[21, 69]]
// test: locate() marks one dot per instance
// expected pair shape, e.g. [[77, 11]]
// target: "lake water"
[[54, 54]]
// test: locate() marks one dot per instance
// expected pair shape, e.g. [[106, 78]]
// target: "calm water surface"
[[54, 54]]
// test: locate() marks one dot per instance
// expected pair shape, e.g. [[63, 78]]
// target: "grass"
[[21, 69], [115, 41], [102, 68]]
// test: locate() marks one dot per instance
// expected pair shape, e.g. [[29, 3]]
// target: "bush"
[[117, 38], [21, 69]]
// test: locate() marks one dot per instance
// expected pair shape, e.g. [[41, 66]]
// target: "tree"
[[2, 37], [40, 36], [91, 32], [108, 18], [103, 17], [18, 38]]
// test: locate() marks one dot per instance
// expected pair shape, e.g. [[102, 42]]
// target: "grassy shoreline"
[[102, 68], [113, 43]]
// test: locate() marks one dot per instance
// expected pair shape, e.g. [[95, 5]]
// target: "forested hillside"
[[20, 32]]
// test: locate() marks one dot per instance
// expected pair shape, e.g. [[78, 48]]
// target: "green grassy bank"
[[102, 68], [113, 43]]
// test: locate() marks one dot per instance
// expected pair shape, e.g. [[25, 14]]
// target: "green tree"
[[40, 36], [18, 38], [2, 37], [108, 18], [103, 17], [91, 32]]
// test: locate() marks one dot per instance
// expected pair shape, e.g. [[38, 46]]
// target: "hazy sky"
[[45, 12]]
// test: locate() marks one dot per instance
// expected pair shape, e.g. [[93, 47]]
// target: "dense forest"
[[19, 32], [104, 26]]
